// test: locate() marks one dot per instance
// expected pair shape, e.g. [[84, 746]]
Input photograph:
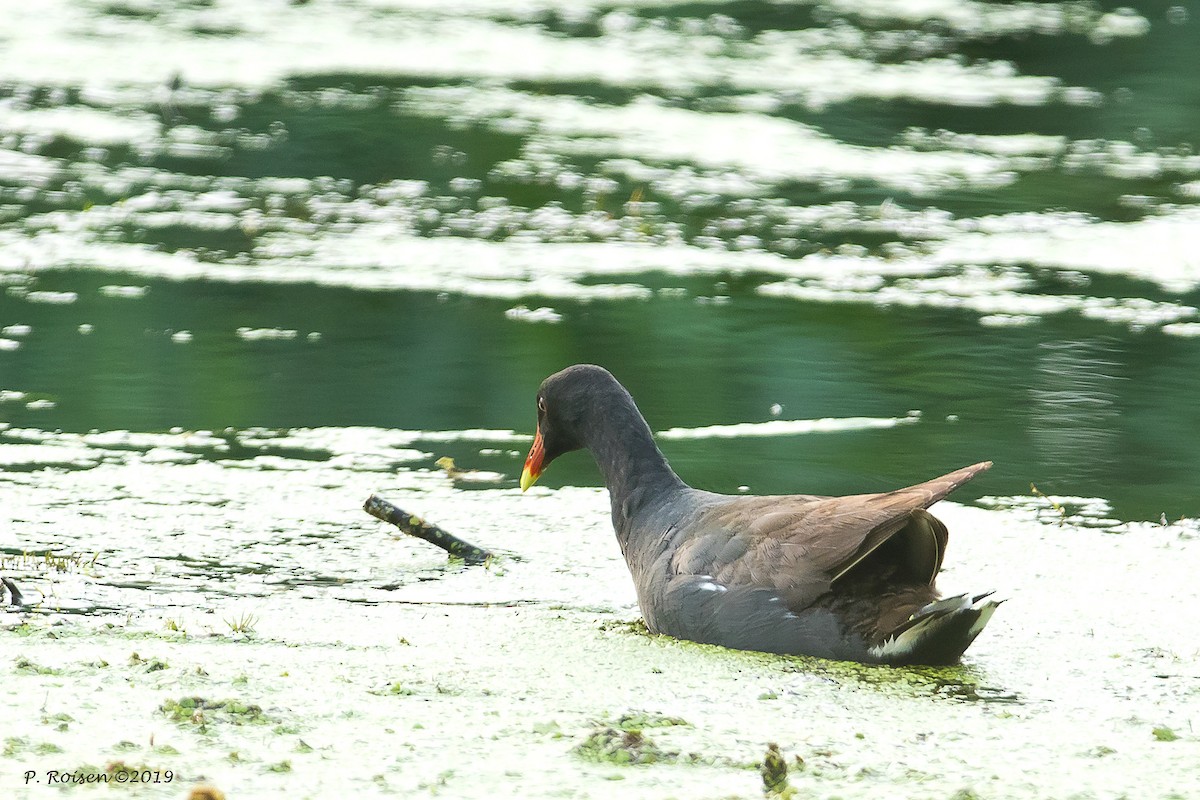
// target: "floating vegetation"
[[243, 624], [1164, 734], [15, 745], [30, 668], [961, 683], [774, 772], [148, 664], [60, 721], [394, 689], [622, 741], [201, 712], [638, 720], [49, 562], [622, 746], [636, 627]]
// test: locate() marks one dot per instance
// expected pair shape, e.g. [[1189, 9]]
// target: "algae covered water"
[[301, 650], [258, 261]]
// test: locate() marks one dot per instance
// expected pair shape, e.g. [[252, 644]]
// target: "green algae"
[[622, 741], [774, 772], [555, 641], [201, 713], [622, 747], [60, 721], [30, 668], [1164, 734], [639, 720], [148, 664], [962, 683], [965, 794]]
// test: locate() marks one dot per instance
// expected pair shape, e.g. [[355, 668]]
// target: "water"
[[842, 209], [381, 671], [258, 261]]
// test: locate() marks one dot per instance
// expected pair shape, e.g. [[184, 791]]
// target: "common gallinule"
[[847, 578]]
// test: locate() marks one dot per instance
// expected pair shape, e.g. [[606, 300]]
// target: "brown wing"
[[801, 544]]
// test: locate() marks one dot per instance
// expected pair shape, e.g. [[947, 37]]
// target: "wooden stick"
[[14, 593], [413, 525]]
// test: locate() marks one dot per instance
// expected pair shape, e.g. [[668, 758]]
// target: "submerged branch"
[[413, 525], [14, 594]]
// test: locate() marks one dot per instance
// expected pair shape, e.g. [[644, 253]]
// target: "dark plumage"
[[848, 578]]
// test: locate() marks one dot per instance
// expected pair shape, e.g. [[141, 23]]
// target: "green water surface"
[[193, 169]]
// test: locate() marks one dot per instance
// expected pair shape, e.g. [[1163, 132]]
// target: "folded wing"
[[800, 545]]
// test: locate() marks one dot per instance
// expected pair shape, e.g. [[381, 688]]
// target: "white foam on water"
[[999, 307], [384, 256], [266, 334], [1187, 329], [978, 19], [771, 149], [126, 292], [51, 298], [81, 124], [1007, 320], [29, 455], [394, 444], [787, 427], [1007, 145], [77, 46], [471, 435], [524, 314], [27, 168], [1163, 248], [376, 237]]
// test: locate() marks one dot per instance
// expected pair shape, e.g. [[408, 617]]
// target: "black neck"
[[635, 471]]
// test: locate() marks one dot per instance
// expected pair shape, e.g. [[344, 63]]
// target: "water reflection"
[[1073, 417]]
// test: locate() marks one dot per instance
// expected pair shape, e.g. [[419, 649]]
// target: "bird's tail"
[[939, 632]]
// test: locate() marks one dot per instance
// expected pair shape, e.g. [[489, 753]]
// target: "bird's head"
[[565, 402]]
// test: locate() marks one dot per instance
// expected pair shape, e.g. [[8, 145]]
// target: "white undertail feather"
[[933, 621]]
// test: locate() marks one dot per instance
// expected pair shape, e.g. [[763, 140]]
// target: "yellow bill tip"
[[527, 479]]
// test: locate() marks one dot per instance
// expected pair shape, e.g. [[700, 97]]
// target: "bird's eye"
[[542, 405]]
